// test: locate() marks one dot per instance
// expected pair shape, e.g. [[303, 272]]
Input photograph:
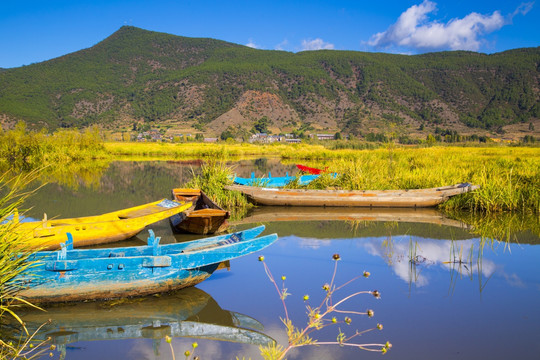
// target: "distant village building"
[[259, 137], [211, 140], [150, 135], [265, 138], [325, 136], [293, 141]]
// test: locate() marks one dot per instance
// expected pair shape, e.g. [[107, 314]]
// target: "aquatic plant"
[[259, 182], [24, 346], [321, 316], [211, 179], [14, 254], [503, 227], [22, 149], [509, 177]]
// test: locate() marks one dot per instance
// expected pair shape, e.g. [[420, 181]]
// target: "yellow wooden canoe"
[[92, 230]]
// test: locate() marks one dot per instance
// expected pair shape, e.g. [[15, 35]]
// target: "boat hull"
[[114, 287], [203, 218], [100, 229], [274, 182], [345, 198], [80, 274]]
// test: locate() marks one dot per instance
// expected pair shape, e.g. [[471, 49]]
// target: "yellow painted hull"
[[99, 229]]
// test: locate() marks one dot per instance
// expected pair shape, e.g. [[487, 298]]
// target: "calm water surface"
[[435, 307]]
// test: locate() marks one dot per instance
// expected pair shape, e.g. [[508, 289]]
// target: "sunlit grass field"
[[509, 177], [193, 150]]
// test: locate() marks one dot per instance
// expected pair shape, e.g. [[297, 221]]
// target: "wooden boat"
[[85, 274], [188, 312], [99, 229], [353, 198], [203, 217], [270, 181], [311, 170]]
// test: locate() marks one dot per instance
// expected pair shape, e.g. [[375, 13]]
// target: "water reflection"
[[103, 186], [189, 313], [299, 213], [409, 256], [431, 268]]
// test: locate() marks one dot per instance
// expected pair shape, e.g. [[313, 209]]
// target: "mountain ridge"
[[137, 76]]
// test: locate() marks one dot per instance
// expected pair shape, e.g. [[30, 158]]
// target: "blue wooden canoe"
[[270, 181], [82, 274]]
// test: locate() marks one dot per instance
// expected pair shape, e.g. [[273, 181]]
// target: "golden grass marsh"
[[509, 177]]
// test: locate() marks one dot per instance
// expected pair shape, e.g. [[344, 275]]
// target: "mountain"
[[140, 76]]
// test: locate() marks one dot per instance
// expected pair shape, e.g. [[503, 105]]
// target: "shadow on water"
[[190, 313]]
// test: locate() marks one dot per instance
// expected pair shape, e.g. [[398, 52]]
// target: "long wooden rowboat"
[[361, 198], [84, 274], [188, 312], [279, 181], [99, 229], [203, 217]]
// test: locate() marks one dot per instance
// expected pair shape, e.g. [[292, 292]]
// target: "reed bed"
[[211, 179], [509, 177], [25, 150], [192, 150], [14, 254]]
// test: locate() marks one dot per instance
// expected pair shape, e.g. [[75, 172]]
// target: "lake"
[[446, 292]]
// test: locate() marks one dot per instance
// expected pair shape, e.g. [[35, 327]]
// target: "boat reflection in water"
[[264, 214], [189, 312]]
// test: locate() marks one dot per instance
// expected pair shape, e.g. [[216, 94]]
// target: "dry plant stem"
[[334, 307], [281, 295], [316, 318], [20, 353], [172, 351]]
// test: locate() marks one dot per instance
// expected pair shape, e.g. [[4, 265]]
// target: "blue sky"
[[34, 31]]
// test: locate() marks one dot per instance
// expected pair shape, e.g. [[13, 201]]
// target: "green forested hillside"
[[142, 76]]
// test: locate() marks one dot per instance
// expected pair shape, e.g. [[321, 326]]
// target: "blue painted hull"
[[74, 275], [270, 181]]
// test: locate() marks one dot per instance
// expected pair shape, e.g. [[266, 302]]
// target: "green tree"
[[261, 126], [227, 134]]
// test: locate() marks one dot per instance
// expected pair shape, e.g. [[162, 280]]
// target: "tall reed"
[[22, 149], [14, 254], [509, 178], [211, 179]]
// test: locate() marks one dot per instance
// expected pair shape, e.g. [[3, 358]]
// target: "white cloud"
[[282, 45], [413, 29], [252, 44], [317, 44], [523, 9]]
